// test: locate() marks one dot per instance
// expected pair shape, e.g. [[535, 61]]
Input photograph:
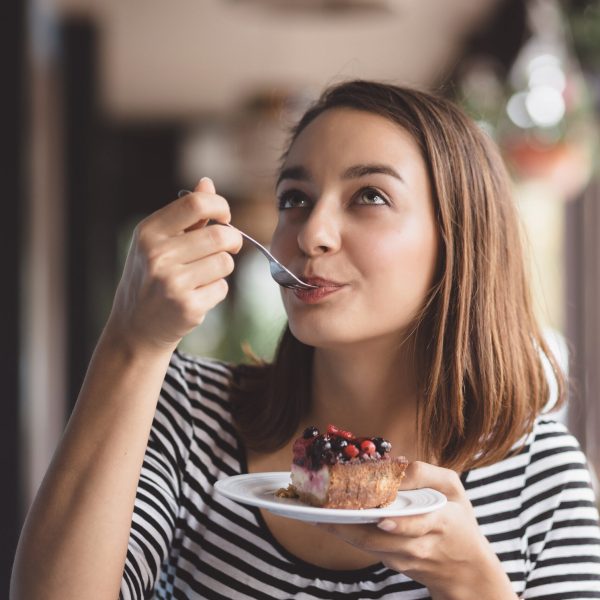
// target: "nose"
[[320, 233]]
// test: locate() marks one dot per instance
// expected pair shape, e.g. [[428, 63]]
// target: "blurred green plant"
[[584, 22]]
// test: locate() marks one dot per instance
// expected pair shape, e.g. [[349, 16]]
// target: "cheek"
[[404, 262]]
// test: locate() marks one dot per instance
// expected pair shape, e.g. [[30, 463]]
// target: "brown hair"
[[478, 343]]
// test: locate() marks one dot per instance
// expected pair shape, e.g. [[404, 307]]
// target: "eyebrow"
[[297, 173], [300, 173]]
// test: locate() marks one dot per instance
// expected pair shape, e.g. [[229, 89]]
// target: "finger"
[[365, 537], [203, 272], [418, 556], [411, 526], [371, 539], [194, 307], [210, 295], [188, 211], [196, 244], [207, 186], [420, 475]]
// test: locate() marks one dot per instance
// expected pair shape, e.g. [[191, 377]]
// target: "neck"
[[370, 391]]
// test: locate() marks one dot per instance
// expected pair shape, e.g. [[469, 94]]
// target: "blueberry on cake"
[[337, 469]]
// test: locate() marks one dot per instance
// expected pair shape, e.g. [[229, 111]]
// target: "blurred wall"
[[13, 110]]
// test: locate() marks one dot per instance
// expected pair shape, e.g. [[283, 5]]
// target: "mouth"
[[325, 288], [321, 282]]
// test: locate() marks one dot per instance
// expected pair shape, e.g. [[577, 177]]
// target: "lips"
[[321, 282], [325, 288]]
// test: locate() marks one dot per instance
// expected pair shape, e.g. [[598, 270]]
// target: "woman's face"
[[355, 217]]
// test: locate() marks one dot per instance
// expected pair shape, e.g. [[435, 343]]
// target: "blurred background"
[[110, 107]]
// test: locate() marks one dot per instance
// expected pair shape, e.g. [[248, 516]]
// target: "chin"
[[323, 336], [331, 333]]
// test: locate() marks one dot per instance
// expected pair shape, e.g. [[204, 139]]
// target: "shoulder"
[[551, 438], [193, 371], [199, 378], [554, 457], [199, 386], [547, 458], [197, 392]]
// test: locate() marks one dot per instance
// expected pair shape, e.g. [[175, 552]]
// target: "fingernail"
[[208, 184], [387, 525]]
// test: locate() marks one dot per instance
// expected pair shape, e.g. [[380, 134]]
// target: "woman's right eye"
[[292, 199]]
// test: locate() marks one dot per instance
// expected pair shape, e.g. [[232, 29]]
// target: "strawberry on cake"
[[337, 469]]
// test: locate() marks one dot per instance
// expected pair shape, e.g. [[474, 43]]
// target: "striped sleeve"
[[159, 486], [560, 519]]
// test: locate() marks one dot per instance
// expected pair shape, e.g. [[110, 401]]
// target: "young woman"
[[421, 330]]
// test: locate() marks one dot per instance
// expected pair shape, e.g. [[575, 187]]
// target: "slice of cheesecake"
[[336, 469]]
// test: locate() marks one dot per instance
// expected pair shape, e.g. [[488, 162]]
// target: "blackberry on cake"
[[336, 469]]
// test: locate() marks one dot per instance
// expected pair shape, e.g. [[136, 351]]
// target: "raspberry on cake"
[[337, 469]]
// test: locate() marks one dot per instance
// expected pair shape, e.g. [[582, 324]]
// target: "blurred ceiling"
[[188, 57]]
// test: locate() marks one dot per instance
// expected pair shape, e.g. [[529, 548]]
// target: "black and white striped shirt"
[[536, 508]]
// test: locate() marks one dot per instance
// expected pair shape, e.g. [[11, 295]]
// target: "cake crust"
[[358, 485]]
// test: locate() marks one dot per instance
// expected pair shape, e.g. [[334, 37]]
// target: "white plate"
[[258, 489]]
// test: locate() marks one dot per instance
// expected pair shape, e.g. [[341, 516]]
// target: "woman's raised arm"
[[74, 541]]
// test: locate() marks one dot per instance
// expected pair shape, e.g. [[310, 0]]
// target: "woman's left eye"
[[371, 196]]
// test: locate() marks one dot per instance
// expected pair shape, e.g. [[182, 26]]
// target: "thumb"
[[205, 185], [420, 475]]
